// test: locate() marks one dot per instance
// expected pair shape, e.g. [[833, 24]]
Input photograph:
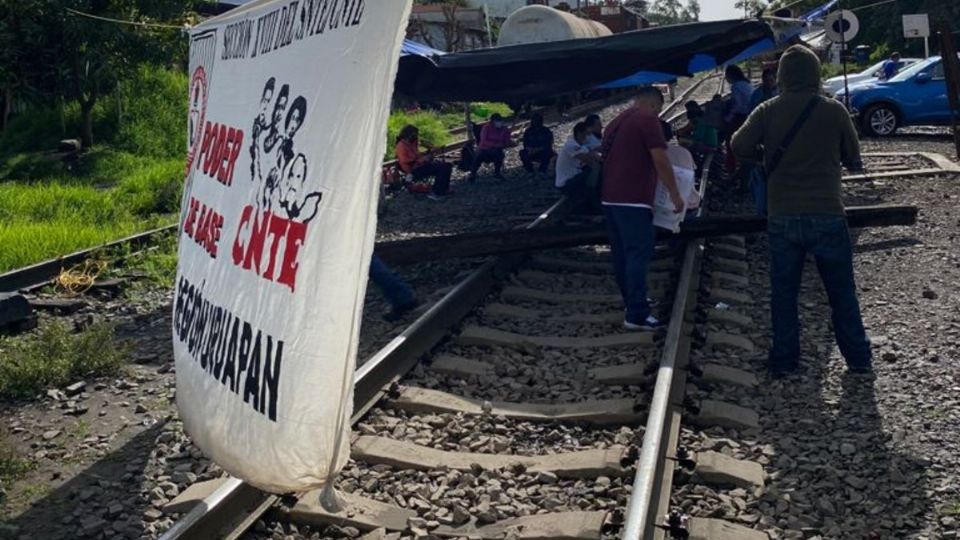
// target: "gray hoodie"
[[807, 180]]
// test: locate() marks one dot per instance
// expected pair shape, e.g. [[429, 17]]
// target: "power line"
[[131, 23]]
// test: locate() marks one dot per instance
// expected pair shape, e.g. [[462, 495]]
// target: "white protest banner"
[[288, 104]]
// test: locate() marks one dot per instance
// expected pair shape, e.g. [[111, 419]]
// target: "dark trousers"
[[631, 243], [583, 196], [758, 186], [529, 157], [439, 170], [828, 240], [490, 155], [393, 288]]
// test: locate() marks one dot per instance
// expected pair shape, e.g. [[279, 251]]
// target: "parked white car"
[[871, 74]]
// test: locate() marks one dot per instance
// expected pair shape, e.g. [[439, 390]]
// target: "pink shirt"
[[493, 137]]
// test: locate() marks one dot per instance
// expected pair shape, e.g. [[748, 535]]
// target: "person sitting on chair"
[[422, 165], [494, 139], [537, 145]]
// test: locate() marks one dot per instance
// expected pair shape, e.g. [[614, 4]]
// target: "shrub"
[[53, 356], [153, 121], [432, 130]]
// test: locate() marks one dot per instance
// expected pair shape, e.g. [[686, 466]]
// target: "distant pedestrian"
[[495, 138], [805, 140], [635, 155], [537, 145], [399, 294], [757, 179], [767, 89], [737, 109], [891, 67]]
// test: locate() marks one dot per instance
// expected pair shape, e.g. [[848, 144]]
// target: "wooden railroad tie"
[[483, 244]]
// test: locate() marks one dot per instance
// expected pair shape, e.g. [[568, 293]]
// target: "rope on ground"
[[78, 279]]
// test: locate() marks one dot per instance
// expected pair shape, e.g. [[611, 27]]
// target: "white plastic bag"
[[663, 210]]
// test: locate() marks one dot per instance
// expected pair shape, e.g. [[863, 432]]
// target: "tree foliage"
[[666, 12], [882, 25], [751, 8], [51, 54]]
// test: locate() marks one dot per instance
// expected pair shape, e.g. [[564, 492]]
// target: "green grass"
[[158, 263], [55, 356], [128, 183], [12, 465], [48, 211], [131, 180]]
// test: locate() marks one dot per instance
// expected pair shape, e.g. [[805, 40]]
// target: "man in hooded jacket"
[[806, 213]]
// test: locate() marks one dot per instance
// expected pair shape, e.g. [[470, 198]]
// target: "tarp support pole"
[[467, 122]]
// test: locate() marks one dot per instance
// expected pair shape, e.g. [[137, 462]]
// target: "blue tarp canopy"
[[411, 47], [536, 70]]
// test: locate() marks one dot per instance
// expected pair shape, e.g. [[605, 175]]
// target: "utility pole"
[[843, 55], [951, 71]]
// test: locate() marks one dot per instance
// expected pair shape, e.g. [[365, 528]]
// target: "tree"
[[67, 56], [692, 12], [666, 12], [751, 8]]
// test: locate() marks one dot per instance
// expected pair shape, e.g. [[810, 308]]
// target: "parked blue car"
[[915, 96]]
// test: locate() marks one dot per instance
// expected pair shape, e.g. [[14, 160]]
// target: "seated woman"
[[422, 165]]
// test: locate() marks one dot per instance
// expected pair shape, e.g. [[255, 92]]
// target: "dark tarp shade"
[[522, 72]]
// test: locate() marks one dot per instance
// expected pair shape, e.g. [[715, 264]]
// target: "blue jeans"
[[758, 185], [827, 239], [397, 292], [631, 243]]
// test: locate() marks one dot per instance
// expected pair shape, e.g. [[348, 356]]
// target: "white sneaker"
[[650, 323]]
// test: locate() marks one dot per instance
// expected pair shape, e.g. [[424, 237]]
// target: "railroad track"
[[233, 506]]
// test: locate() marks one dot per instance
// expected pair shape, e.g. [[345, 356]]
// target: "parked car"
[[916, 96], [872, 74]]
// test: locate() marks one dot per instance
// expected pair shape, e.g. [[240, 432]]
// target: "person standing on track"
[[635, 155], [400, 296], [805, 139]]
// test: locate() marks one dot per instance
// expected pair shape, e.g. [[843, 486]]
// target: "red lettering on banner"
[[219, 151], [203, 224], [280, 239]]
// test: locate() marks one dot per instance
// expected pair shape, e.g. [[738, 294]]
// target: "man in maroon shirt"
[[635, 156]]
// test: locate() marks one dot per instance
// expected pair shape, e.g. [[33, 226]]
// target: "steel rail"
[[216, 516], [659, 434], [236, 505]]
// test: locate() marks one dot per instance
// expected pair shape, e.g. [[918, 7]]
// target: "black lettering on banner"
[[251, 386], [289, 23], [242, 358]]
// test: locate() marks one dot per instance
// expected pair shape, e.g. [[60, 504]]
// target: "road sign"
[[916, 26], [842, 26]]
